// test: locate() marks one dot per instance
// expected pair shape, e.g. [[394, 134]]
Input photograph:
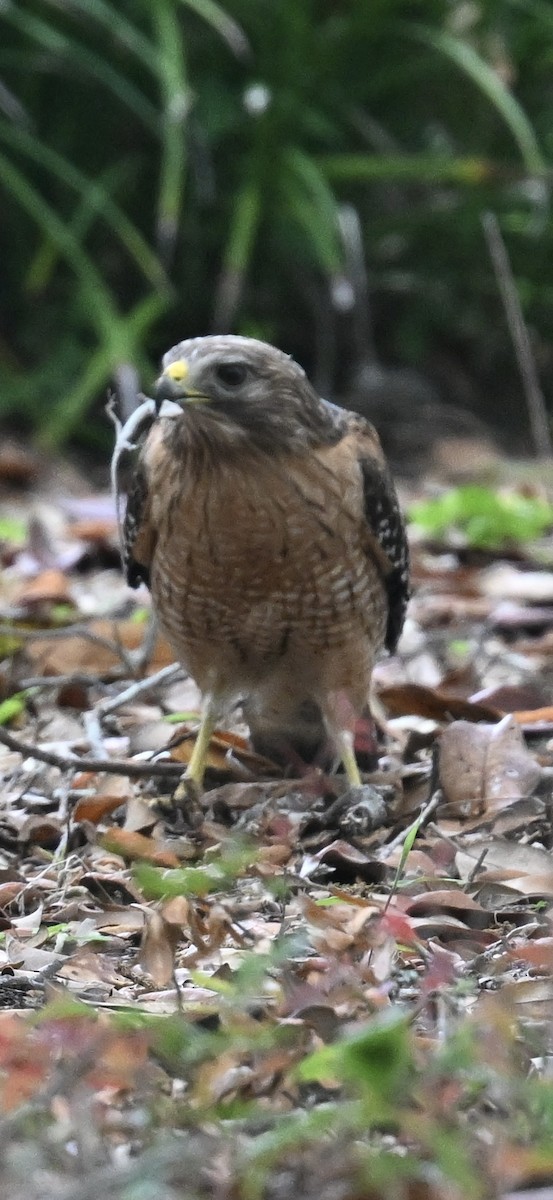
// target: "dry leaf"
[[411, 699], [77, 654], [157, 952], [453, 902], [483, 763], [50, 587], [95, 808], [93, 529], [109, 795], [526, 869], [222, 743], [135, 846], [345, 862]]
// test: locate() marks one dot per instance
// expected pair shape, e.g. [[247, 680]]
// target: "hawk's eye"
[[233, 374]]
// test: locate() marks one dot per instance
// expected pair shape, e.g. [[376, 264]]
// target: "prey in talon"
[[266, 524]]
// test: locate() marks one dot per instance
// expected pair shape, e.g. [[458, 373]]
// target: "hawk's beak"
[[173, 385]]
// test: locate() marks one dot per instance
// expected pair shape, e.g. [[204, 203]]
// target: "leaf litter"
[[296, 989]]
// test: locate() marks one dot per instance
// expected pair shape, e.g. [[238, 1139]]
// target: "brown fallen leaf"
[[531, 717], [75, 653], [40, 831], [535, 994], [95, 808], [345, 862], [50, 587], [9, 891], [136, 846], [109, 795], [481, 763], [17, 464], [451, 901], [157, 952], [222, 742], [509, 697], [93, 529], [526, 869], [411, 699]]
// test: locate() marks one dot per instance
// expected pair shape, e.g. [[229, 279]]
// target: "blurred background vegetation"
[[174, 167]]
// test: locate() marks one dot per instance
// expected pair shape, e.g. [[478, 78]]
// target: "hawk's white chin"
[[170, 409]]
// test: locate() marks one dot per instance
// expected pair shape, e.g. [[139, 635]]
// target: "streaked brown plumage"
[[267, 527]]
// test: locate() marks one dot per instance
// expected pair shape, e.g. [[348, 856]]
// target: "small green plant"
[[482, 517]]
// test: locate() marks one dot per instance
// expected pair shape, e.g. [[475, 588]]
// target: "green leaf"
[[12, 530], [409, 168], [50, 38], [13, 707], [95, 201], [472, 64], [214, 876], [176, 100], [221, 21], [377, 1060], [485, 518]]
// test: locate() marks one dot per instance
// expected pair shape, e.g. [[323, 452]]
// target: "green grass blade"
[[488, 81], [246, 213], [415, 168], [127, 334], [118, 26], [313, 207], [175, 102], [83, 58], [222, 23], [101, 308], [96, 200]]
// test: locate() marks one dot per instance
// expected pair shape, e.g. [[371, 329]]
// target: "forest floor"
[[288, 991]]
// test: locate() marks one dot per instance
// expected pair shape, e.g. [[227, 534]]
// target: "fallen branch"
[[165, 675], [109, 766]]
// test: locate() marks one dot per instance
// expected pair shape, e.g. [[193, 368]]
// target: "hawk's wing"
[[387, 539], [131, 498]]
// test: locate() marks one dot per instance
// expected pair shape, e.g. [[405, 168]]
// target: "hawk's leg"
[[340, 716], [195, 770], [345, 744]]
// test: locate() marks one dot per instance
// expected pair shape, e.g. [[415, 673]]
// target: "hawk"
[[267, 527]]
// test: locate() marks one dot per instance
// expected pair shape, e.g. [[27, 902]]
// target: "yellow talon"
[[195, 770], [347, 754]]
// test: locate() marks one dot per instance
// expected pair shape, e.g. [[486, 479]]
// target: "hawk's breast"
[[260, 554]]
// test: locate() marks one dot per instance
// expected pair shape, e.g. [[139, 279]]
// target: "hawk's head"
[[237, 387]]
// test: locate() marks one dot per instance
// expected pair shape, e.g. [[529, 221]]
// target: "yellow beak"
[[172, 385]]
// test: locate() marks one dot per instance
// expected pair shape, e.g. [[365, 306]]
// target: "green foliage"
[[13, 530], [176, 167], [14, 706], [212, 876], [377, 1062], [483, 517]]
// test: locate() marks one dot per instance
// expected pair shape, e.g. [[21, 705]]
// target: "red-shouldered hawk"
[[266, 524]]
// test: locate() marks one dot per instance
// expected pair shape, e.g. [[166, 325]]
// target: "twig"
[[62, 681], [111, 703], [93, 720], [476, 868], [110, 766], [93, 731], [537, 410]]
